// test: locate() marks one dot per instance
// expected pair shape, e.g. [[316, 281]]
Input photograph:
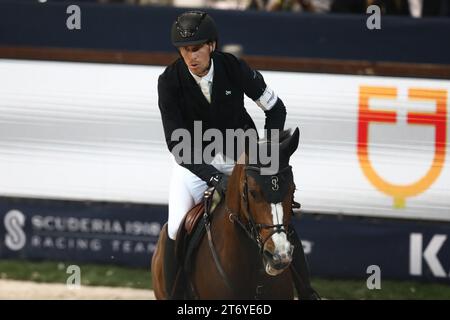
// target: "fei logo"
[[15, 238], [437, 119]]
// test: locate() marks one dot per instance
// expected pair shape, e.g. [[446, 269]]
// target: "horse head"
[[262, 204]]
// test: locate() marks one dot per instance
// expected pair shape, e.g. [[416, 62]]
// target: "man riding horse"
[[207, 85]]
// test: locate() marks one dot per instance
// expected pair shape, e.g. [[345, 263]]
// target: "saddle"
[[191, 231]]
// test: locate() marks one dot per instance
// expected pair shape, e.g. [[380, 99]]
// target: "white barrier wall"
[[93, 132]]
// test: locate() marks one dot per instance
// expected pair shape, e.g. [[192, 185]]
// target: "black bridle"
[[251, 228]]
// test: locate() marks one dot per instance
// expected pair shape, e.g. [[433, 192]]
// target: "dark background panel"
[[147, 28], [336, 246]]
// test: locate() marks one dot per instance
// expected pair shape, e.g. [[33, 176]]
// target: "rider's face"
[[197, 57]]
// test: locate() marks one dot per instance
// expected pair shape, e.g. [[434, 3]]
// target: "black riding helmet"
[[192, 28]]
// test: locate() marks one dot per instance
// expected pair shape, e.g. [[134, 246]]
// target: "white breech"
[[186, 190]]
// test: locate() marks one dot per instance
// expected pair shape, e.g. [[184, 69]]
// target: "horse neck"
[[233, 197], [237, 246], [234, 240]]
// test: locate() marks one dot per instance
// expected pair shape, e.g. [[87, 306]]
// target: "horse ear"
[[285, 134], [243, 159], [289, 146]]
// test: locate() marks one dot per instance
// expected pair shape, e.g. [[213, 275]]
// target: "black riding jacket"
[[182, 102]]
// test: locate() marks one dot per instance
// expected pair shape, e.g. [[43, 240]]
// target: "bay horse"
[[247, 253]]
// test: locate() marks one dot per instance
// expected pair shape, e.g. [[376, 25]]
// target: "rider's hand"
[[220, 182]]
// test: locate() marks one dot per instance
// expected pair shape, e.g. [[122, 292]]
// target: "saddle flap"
[[191, 231], [193, 216]]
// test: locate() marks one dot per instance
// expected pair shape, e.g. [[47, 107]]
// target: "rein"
[[207, 219]]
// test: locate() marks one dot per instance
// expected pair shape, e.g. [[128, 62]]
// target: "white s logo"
[[15, 238], [275, 185]]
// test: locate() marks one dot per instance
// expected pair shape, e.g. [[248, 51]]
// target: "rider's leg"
[[180, 200], [300, 272], [170, 267], [186, 190]]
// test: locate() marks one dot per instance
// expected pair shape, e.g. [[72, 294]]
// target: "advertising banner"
[[371, 146], [126, 234]]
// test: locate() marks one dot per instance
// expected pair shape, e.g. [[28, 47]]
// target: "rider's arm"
[[257, 90], [172, 120]]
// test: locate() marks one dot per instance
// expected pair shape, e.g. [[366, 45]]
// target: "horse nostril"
[[268, 254], [284, 258], [276, 258]]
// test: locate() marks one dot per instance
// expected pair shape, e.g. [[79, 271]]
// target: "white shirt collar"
[[209, 76]]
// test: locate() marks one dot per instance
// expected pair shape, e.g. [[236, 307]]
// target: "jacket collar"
[[209, 76], [193, 86]]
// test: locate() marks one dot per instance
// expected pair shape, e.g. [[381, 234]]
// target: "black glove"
[[220, 182]]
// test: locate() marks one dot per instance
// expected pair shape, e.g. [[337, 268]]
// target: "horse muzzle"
[[276, 263]]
